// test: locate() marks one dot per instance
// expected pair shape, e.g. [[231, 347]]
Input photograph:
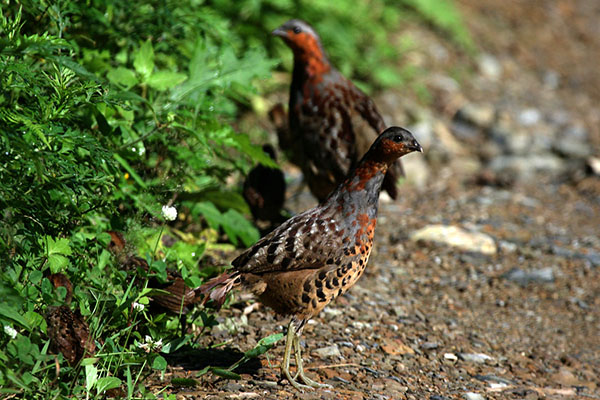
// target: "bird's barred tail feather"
[[217, 288]]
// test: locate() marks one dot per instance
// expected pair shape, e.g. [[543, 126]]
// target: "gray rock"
[[478, 358], [530, 116], [456, 237], [329, 351], [523, 167], [573, 142], [481, 115], [589, 255], [473, 396], [523, 277]]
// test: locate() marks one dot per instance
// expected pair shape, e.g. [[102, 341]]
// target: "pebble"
[[473, 396], [329, 351], [523, 277], [481, 115], [450, 357], [456, 237], [478, 358], [489, 66], [530, 116], [594, 165]]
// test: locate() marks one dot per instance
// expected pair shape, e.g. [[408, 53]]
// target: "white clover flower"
[[10, 331], [137, 306], [169, 213], [149, 344]]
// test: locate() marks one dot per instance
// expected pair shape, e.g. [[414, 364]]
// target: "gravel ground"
[[499, 298]]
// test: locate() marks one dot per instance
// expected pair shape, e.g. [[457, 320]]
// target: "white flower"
[[137, 306], [149, 344], [169, 213], [10, 331]]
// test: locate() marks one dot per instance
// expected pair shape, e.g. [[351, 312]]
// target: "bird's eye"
[[297, 30], [397, 138]]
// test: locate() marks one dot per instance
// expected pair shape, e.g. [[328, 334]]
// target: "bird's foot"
[[309, 382], [294, 383]]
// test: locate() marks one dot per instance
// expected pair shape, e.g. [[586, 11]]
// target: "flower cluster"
[[149, 344]]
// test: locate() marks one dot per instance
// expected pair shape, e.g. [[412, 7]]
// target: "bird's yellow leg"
[[299, 367], [285, 364]]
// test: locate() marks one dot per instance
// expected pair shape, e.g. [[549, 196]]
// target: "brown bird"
[[332, 122], [178, 297], [68, 331], [264, 191], [319, 254]]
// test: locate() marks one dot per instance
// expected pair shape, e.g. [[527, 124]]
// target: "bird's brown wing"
[[310, 240], [368, 124]]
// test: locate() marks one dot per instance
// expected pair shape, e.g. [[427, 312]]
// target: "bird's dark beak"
[[415, 146], [279, 32]]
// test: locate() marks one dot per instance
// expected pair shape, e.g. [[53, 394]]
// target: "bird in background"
[[317, 255], [332, 123], [68, 331], [264, 191]]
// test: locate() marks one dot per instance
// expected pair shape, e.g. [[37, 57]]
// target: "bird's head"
[[301, 38], [392, 143]]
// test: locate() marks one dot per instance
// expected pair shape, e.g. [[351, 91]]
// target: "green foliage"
[[360, 36]]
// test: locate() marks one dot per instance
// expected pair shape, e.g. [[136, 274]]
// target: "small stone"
[[456, 237], [478, 358], [530, 116], [489, 66], [451, 357], [473, 396], [395, 347], [329, 351], [430, 345], [507, 247], [481, 115], [523, 277], [594, 165]]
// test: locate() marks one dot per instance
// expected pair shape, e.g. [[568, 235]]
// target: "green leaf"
[[91, 376], [163, 80], [235, 225], [224, 373], [159, 363], [131, 171], [143, 61], [107, 383], [60, 246], [35, 277], [122, 76], [13, 315]]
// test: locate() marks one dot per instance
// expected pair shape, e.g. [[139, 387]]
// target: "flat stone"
[[481, 115], [523, 277], [329, 351], [473, 396], [478, 358], [456, 237]]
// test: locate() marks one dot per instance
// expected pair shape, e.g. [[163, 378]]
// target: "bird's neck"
[[311, 61], [359, 193]]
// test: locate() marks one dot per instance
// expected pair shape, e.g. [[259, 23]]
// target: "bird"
[[264, 191], [317, 255], [176, 297], [68, 331], [332, 123]]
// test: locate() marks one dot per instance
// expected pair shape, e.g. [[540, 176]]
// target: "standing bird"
[[332, 122], [319, 254]]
